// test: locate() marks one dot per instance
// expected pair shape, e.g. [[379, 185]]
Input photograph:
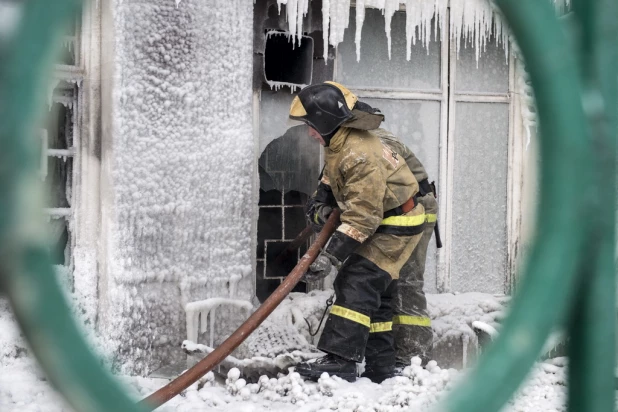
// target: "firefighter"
[[411, 323], [381, 223]]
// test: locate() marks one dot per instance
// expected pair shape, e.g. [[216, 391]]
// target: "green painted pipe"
[[592, 324], [25, 270]]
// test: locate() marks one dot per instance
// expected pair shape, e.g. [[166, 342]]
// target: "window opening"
[[289, 168], [286, 62]]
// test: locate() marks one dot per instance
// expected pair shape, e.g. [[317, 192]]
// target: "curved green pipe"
[[550, 279], [548, 287], [25, 270]]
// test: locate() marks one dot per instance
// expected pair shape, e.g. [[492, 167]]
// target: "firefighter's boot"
[[378, 374], [331, 364]]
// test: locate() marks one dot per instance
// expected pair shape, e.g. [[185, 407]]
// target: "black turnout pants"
[[360, 322]]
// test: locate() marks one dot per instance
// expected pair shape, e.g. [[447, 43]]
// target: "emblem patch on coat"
[[390, 155]]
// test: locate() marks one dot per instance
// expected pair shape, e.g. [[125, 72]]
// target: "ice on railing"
[[485, 327], [198, 314]]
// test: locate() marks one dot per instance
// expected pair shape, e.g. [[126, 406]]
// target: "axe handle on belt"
[[436, 230]]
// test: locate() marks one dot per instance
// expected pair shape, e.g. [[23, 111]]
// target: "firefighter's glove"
[[319, 207], [320, 216], [322, 266]]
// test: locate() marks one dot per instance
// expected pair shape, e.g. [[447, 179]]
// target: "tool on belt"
[[424, 188]]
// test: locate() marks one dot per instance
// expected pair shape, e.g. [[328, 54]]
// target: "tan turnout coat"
[[367, 178]]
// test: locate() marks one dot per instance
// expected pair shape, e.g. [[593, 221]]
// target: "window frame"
[[448, 98]]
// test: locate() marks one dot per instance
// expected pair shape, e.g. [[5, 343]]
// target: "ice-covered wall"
[[178, 169]]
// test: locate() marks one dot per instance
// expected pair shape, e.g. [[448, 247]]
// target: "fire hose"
[[215, 357]]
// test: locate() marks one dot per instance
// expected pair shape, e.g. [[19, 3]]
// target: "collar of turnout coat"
[[364, 120]]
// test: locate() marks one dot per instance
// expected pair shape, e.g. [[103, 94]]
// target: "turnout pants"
[[363, 308], [411, 323]]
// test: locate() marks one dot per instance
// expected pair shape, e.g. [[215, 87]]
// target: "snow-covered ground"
[[23, 386]]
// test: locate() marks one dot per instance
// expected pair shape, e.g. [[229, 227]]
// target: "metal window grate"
[[59, 147]]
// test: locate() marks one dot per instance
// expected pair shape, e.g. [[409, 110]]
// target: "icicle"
[[296, 10], [419, 14], [177, 3], [50, 92], [389, 10], [303, 7], [339, 20], [410, 27], [360, 18], [292, 10], [465, 340], [325, 23], [527, 101], [276, 86]]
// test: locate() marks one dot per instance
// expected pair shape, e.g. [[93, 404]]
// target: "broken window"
[[289, 169], [286, 61]]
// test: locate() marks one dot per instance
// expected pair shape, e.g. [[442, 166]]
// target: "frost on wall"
[[178, 215]]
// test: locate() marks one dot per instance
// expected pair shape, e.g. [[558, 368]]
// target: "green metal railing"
[[569, 280]]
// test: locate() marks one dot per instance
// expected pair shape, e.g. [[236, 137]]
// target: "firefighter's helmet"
[[324, 106]]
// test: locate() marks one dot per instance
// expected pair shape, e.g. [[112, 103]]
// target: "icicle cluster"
[[473, 21], [476, 21], [296, 10]]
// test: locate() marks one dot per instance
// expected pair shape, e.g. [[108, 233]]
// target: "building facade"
[[174, 176]]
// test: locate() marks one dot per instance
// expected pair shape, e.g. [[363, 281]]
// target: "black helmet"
[[323, 107]]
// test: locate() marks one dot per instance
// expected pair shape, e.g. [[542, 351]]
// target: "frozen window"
[[286, 61], [489, 74], [375, 69], [57, 153], [58, 146], [288, 173], [479, 243], [69, 52]]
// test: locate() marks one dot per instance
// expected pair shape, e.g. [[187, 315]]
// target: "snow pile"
[[23, 386], [454, 314], [22, 383], [418, 389], [12, 343], [284, 339], [289, 327]]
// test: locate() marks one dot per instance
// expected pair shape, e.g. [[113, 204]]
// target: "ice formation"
[[473, 21], [178, 171], [199, 312]]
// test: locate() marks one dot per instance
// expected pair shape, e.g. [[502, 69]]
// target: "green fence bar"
[[570, 276]]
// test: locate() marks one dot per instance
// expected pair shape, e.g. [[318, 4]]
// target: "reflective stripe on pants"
[[351, 315], [381, 327], [411, 320]]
